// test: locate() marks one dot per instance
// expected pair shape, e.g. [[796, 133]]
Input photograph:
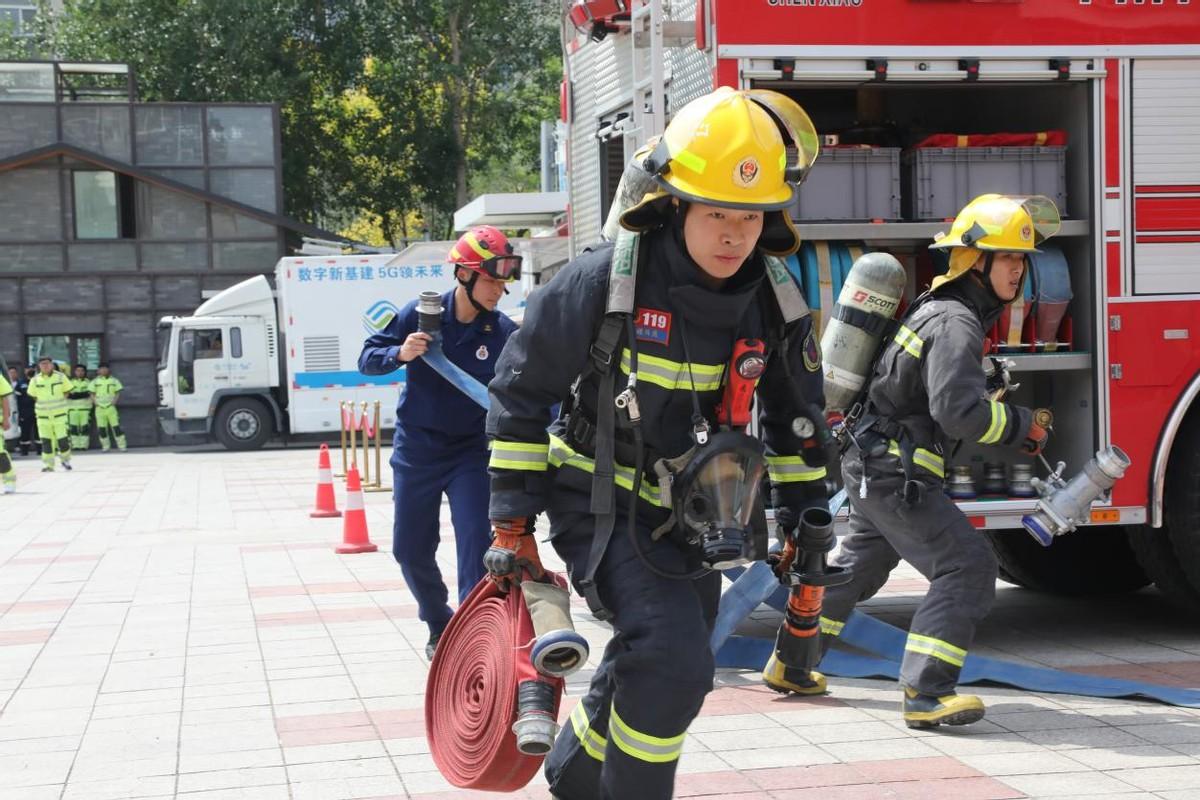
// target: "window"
[[235, 342], [103, 205], [208, 343], [68, 349], [96, 207]]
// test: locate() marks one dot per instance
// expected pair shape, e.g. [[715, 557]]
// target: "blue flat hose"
[[462, 381], [882, 647]]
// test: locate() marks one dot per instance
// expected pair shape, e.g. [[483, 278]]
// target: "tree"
[[472, 79]]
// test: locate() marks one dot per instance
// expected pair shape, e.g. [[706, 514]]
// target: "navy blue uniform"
[[439, 448]]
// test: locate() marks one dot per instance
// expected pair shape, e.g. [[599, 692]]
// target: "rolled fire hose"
[[490, 715]]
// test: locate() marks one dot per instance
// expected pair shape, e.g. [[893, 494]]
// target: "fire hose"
[[881, 649], [493, 692]]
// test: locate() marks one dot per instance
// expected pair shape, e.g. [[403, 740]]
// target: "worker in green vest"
[[79, 409], [50, 389], [106, 391], [8, 475]]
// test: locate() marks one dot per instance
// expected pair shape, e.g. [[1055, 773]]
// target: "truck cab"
[[218, 370]]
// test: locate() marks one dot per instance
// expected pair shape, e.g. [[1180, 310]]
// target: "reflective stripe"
[[674, 374], [909, 340], [831, 627], [354, 501], [561, 454], [929, 646], [50, 406], [643, 746], [690, 160], [999, 423], [527, 456], [593, 743], [927, 459], [792, 469], [783, 161]]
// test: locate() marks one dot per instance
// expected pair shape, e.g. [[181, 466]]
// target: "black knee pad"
[[47, 445], [64, 445], [5, 462], [116, 429]]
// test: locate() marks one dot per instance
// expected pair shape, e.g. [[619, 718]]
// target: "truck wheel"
[[1172, 555], [1091, 561], [1156, 555], [243, 423]]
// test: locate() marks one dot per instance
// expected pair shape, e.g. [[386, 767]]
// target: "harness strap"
[[872, 324]]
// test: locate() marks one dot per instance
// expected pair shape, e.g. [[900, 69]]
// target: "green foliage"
[[390, 109]]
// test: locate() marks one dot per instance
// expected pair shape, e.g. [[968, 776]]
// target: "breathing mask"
[[715, 497]]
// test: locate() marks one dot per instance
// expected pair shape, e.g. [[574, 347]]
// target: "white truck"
[[252, 362]]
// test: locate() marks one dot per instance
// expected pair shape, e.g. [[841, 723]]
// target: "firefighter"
[[8, 474], [50, 388], [439, 445], [926, 396], [106, 393], [640, 393], [79, 409]]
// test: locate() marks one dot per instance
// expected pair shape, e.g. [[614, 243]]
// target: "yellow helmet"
[[730, 148], [995, 223]]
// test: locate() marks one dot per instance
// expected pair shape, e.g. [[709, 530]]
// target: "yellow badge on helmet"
[[747, 172]]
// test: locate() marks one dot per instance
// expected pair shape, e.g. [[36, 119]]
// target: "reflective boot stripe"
[[643, 746], [831, 627], [927, 645], [593, 743]]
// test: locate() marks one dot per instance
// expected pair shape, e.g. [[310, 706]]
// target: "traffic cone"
[[354, 527], [326, 504]]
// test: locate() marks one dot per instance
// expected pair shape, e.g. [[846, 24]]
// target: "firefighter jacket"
[[428, 400], [50, 392], [106, 389], [930, 381], [684, 335]]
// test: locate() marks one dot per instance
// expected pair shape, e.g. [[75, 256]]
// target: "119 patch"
[[652, 325]]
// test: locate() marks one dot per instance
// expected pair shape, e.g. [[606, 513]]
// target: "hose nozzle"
[[429, 312], [535, 726], [560, 653], [1064, 504]]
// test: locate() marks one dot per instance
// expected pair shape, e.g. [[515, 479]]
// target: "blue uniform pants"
[[426, 465]]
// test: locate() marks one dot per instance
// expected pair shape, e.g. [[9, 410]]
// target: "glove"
[[513, 547], [1035, 439]]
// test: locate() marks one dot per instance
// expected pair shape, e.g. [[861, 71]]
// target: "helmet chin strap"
[[470, 287]]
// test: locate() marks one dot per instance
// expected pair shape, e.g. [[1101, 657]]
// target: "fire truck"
[[1120, 79]]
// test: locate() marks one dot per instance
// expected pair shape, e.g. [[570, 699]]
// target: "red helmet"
[[487, 251]]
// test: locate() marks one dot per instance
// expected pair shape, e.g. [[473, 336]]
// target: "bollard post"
[[353, 438], [342, 430], [378, 486], [365, 426]]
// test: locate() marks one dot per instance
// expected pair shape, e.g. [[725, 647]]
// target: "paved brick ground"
[[174, 625]]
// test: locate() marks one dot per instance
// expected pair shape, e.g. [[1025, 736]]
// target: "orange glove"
[[513, 547], [1035, 439]]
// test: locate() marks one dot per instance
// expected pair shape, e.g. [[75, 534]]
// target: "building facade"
[[114, 213]]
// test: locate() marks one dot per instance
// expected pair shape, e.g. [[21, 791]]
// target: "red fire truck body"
[[1121, 77]]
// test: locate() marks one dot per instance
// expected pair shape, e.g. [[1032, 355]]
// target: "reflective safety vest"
[[105, 390], [51, 392]]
